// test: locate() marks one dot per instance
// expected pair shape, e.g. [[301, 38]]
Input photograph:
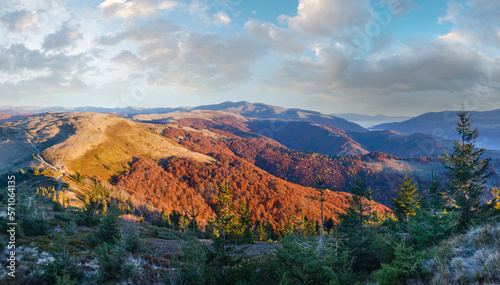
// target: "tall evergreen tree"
[[245, 222], [227, 231], [110, 229], [357, 238], [358, 211], [436, 193], [467, 172], [406, 201], [320, 187]]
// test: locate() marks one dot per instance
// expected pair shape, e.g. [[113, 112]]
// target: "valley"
[[167, 173]]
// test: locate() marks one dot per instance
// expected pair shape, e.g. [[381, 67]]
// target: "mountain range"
[[367, 121], [270, 153], [442, 124]]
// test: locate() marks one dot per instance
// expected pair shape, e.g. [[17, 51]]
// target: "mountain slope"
[[93, 143], [263, 111], [134, 160], [243, 108], [367, 121], [442, 124], [304, 135]]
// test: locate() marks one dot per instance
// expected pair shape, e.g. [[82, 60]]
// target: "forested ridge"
[[178, 220], [294, 166]]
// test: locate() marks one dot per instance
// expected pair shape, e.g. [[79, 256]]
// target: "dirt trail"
[[40, 157]]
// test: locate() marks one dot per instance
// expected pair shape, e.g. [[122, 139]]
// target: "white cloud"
[[327, 17], [186, 60], [64, 37], [454, 10], [278, 38], [441, 65], [19, 20], [133, 9], [128, 59], [141, 32], [221, 19], [476, 21]]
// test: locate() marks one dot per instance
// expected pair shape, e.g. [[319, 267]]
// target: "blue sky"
[[393, 57]]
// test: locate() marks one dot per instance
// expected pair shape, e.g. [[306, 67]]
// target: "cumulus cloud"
[[327, 17], [140, 32], [278, 38], [203, 62], [221, 19], [64, 37], [127, 58], [19, 20], [421, 65], [454, 10], [35, 72], [479, 23], [133, 9], [191, 60]]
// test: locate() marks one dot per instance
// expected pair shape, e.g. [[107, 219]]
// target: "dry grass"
[[91, 143], [470, 258]]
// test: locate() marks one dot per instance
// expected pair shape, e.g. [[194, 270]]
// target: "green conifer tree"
[[406, 200], [110, 229], [437, 198], [467, 172]]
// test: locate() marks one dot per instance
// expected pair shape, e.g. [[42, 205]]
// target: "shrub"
[[406, 265], [112, 263], [34, 226], [299, 262], [110, 227], [63, 268], [427, 228]]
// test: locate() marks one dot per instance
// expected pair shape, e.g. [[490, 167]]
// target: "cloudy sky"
[[394, 57]]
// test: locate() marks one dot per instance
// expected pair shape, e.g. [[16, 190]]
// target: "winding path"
[[40, 157]]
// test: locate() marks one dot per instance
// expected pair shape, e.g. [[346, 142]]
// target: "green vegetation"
[[467, 172], [440, 234], [406, 200]]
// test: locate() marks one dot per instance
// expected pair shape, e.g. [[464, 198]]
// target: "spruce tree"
[[245, 223], [227, 231], [438, 199], [358, 211], [320, 187], [261, 231], [113, 267], [110, 227], [467, 172], [406, 201], [357, 238]]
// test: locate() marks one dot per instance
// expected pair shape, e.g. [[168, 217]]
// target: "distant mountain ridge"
[[442, 124], [243, 108], [367, 121]]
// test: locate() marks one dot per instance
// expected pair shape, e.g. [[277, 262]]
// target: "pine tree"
[[329, 224], [320, 187], [110, 227], [165, 219], [227, 231], [406, 200], [353, 223], [437, 194], [467, 172], [261, 231], [358, 212], [245, 222], [113, 267], [226, 219]]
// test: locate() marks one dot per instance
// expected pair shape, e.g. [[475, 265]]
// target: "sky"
[[391, 57]]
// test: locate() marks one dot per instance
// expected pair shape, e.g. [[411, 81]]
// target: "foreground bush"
[[406, 265], [473, 257]]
